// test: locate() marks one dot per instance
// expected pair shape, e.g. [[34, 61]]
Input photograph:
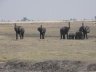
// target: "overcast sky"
[[47, 9]]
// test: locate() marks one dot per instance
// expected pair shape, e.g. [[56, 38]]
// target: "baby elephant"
[[71, 36], [79, 35], [19, 31]]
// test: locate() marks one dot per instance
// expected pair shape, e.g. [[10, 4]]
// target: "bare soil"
[[48, 66]]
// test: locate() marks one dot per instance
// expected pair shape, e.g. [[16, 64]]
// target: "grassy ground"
[[51, 48]]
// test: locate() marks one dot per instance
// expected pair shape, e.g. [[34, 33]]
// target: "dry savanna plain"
[[32, 48]]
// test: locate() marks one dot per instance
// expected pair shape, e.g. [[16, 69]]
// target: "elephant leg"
[[16, 36], [67, 36], [63, 36], [40, 36], [78, 37], [22, 35], [73, 37], [81, 36], [86, 36], [44, 36]]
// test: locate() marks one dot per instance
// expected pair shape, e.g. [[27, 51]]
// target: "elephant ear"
[[81, 28], [38, 29], [43, 30], [87, 29]]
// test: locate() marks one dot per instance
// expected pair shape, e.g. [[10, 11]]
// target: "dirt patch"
[[91, 67], [47, 66]]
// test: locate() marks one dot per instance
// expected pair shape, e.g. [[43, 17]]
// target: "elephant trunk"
[[41, 26], [15, 26], [82, 24], [69, 25]]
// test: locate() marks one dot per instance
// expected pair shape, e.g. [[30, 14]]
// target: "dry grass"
[[51, 48]]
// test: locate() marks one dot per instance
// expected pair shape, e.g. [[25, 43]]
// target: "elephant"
[[19, 31], [79, 35], [71, 36], [64, 31], [85, 30], [42, 31]]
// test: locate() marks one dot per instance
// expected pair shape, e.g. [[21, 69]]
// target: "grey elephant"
[[79, 35], [64, 31], [71, 36], [19, 31], [42, 31], [85, 30]]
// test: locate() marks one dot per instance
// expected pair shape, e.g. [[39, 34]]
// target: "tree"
[[25, 19]]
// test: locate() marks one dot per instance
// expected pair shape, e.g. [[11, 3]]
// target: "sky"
[[47, 9]]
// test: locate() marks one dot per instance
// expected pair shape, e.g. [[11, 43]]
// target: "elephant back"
[[64, 30], [43, 30], [19, 29], [79, 33], [71, 33]]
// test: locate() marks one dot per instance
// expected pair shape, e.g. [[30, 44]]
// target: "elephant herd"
[[64, 32], [80, 34]]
